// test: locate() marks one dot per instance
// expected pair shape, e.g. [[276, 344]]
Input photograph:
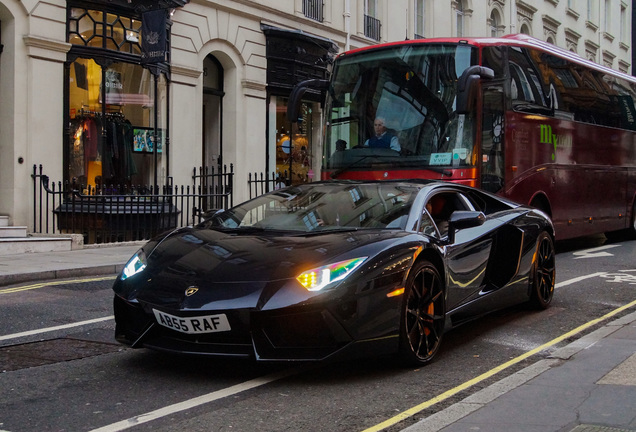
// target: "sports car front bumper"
[[305, 334]]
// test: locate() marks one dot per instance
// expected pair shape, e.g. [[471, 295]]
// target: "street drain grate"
[[16, 357]]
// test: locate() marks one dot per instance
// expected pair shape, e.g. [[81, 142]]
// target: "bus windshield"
[[395, 108]]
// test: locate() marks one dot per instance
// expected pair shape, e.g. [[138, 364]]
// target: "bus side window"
[[492, 147], [494, 57], [526, 88]]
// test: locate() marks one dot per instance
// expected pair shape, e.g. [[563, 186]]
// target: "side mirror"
[[466, 85], [464, 219], [293, 107]]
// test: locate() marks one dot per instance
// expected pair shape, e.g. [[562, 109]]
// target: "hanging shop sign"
[[154, 37]]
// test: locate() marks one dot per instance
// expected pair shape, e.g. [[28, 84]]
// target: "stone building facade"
[[86, 94]]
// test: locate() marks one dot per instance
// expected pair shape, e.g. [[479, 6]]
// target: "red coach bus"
[[511, 115]]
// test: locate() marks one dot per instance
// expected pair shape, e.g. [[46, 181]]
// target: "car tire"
[[543, 272], [423, 315]]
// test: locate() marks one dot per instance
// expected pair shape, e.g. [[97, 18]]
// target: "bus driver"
[[382, 138]]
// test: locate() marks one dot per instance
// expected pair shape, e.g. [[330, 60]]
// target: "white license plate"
[[193, 325]]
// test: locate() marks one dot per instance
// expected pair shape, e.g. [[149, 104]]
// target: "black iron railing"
[[372, 27], [111, 214], [259, 183], [214, 188]]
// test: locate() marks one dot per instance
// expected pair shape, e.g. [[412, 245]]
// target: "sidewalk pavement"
[[586, 386], [89, 261]]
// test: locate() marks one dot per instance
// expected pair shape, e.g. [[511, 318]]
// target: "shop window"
[[117, 108], [113, 139], [294, 150]]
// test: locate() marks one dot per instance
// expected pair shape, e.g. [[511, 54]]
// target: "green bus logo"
[[548, 137]]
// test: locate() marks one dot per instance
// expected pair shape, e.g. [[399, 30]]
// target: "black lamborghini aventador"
[[329, 269]]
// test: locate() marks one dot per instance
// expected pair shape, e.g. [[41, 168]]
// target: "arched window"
[[495, 22], [459, 10], [525, 29], [420, 14]]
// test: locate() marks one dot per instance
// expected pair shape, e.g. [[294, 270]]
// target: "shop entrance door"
[[212, 146]]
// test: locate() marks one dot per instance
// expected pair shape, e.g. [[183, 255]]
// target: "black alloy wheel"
[[543, 272], [423, 315]]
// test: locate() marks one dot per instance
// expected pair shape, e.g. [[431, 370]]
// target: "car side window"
[[441, 205], [427, 226]]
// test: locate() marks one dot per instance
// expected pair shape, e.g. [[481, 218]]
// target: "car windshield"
[[396, 106], [322, 207]]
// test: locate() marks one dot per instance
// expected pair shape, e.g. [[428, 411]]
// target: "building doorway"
[[212, 146]]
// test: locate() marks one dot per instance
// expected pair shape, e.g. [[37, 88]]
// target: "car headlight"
[[135, 265], [318, 278]]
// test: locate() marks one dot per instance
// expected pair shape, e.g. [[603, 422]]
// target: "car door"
[[467, 256]]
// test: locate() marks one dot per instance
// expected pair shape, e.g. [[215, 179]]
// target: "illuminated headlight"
[[135, 265], [318, 278]]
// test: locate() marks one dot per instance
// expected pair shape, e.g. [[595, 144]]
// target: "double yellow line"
[[53, 283], [452, 392]]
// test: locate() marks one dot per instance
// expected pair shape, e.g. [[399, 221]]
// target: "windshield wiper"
[[339, 171], [328, 230], [238, 230], [444, 171]]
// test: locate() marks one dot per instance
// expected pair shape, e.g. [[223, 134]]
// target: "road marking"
[[53, 283], [452, 392], [623, 276], [195, 402], [595, 252], [578, 279], [60, 327]]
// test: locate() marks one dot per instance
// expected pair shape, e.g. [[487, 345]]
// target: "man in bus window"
[[382, 138]]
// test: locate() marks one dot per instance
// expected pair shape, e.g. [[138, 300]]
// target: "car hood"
[[236, 269]]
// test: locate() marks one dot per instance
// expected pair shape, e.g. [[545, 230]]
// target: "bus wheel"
[[631, 234], [624, 234], [423, 315], [543, 272]]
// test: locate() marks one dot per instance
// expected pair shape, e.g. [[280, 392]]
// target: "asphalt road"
[[60, 369]]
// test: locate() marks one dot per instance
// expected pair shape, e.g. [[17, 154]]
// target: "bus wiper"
[[339, 171], [444, 171]]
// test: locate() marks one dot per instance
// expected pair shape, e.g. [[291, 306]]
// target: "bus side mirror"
[[461, 219], [466, 86], [293, 107]]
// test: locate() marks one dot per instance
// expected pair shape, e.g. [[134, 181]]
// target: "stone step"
[[13, 231], [4, 221], [10, 246]]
